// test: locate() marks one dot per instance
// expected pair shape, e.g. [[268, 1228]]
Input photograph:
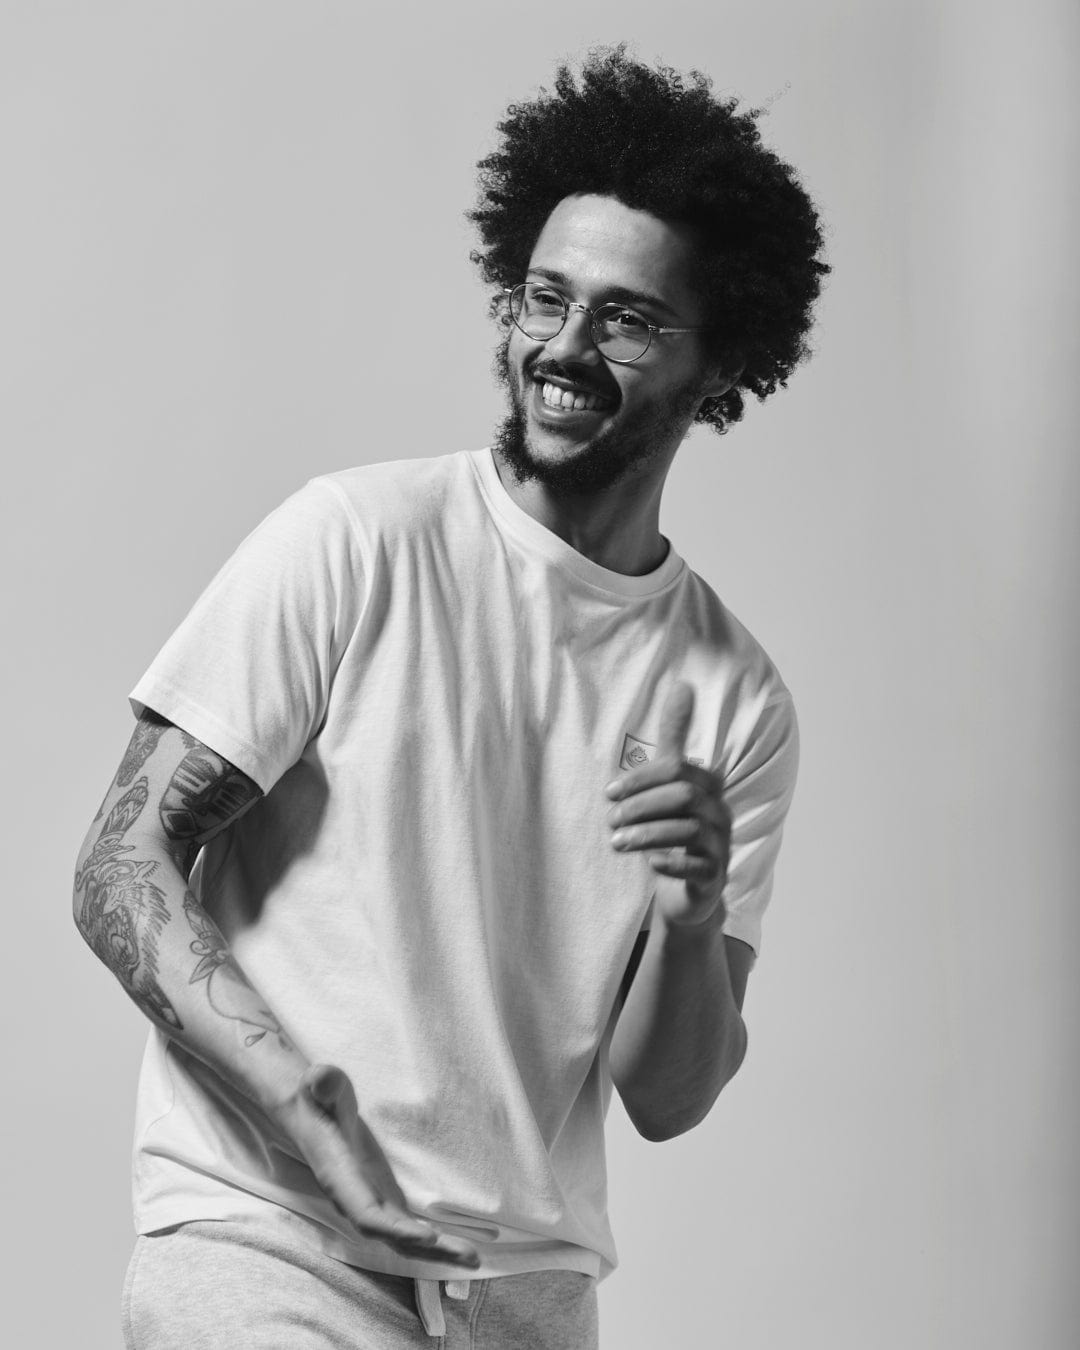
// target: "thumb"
[[675, 719]]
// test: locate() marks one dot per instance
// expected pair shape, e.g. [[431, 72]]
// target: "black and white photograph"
[[541, 612]]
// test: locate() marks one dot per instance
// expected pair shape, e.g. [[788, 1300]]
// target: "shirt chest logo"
[[636, 752]]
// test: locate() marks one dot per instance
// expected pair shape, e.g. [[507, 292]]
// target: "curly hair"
[[658, 141]]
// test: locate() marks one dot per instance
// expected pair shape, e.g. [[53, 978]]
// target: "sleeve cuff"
[[168, 702]]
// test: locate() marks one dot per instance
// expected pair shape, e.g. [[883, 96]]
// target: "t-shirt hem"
[[496, 1258]]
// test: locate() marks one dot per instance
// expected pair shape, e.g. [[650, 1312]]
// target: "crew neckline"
[[528, 530]]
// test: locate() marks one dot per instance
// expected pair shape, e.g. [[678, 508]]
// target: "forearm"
[[680, 1036], [134, 909]]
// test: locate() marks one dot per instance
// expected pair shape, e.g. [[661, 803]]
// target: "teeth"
[[555, 397]]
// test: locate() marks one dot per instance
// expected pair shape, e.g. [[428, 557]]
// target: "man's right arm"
[[135, 910]]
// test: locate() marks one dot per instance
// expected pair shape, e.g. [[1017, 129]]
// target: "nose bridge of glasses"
[[572, 334]]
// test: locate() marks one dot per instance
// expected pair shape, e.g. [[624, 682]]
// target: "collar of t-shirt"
[[532, 535]]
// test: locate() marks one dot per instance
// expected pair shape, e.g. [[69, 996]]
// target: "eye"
[[625, 321], [543, 300]]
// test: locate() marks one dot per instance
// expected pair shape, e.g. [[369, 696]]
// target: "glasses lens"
[[538, 311], [621, 334]]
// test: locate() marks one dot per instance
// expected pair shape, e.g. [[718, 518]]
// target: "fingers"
[[689, 832], [354, 1173], [410, 1236], [685, 866], [663, 769], [388, 1221], [675, 720], [684, 797]]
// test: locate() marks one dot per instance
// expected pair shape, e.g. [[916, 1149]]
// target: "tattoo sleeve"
[[204, 795], [149, 729], [124, 907], [227, 990]]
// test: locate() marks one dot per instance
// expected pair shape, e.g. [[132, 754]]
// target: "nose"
[[574, 341]]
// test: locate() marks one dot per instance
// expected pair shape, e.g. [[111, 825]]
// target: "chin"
[[566, 467], [576, 460]]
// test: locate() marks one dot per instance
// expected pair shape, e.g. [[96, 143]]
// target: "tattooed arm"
[[135, 910], [133, 906]]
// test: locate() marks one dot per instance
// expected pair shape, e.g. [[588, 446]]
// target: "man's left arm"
[[680, 1035]]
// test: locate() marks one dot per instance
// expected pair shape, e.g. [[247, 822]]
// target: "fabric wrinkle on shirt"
[[432, 690]]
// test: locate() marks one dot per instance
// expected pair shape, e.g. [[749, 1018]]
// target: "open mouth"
[[560, 399]]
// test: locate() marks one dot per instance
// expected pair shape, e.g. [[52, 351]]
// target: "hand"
[[670, 804], [322, 1119]]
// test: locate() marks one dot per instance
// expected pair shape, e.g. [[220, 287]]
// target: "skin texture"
[[595, 478]]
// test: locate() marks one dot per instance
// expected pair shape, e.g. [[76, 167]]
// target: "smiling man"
[[455, 801], [595, 418]]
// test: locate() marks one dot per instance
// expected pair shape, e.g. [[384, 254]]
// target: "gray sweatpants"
[[220, 1285]]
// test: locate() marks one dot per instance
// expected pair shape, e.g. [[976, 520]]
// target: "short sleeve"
[[757, 791], [249, 670]]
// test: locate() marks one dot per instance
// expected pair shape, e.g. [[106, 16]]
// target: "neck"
[[617, 528]]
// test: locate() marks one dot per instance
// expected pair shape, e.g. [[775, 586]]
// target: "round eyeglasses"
[[620, 333]]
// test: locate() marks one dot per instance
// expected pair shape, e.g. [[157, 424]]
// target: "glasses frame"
[[568, 305]]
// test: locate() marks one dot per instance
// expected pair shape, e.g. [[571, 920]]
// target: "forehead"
[[600, 244]]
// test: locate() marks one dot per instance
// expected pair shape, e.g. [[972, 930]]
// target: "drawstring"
[[429, 1305]]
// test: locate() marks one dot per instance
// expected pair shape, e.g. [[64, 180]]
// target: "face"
[[594, 249]]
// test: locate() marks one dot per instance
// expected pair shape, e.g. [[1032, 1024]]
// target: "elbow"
[[78, 905], [660, 1131], [658, 1134], [738, 1058], [659, 1127], [81, 885], [76, 897], [652, 1124]]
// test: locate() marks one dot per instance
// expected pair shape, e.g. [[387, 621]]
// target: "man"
[[456, 798]]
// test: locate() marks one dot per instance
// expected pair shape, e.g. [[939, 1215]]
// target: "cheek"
[[519, 352], [644, 392], [662, 406]]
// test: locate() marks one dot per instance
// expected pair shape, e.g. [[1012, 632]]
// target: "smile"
[[572, 400]]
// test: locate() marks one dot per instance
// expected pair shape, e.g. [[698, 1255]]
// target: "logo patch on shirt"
[[636, 752]]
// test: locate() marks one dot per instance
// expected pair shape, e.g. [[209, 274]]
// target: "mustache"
[[546, 369]]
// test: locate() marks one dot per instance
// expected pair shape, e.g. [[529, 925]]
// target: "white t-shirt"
[[432, 690]]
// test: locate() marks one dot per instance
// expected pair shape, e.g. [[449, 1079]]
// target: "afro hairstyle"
[[659, 141]]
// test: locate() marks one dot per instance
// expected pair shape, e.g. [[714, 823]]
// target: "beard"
[[604, 460]]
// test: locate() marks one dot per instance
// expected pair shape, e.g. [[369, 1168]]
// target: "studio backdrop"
[[223, 228]]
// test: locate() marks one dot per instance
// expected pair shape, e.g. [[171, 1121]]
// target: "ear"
[[725, 377]]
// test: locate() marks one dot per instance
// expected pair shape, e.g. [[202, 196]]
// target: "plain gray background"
[[220, 222]]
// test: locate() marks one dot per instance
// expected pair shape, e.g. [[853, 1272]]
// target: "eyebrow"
[[621, 294]]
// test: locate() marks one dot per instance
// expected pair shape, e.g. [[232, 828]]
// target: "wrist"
[[694, 925]]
